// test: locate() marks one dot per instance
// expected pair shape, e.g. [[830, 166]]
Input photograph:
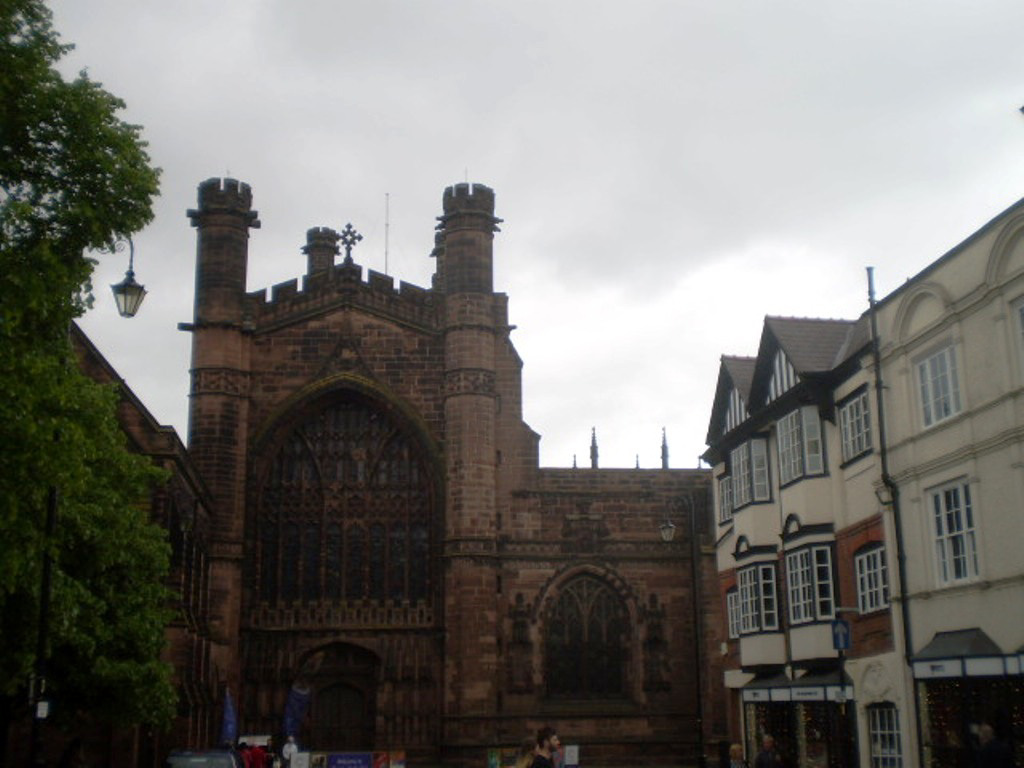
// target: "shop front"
[[812, 718], [963, 679]]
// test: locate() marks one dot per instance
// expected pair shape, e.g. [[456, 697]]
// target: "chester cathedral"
[[363, 539]]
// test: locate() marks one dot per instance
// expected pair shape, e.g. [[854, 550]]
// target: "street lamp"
[[667, 529], [128, 293]]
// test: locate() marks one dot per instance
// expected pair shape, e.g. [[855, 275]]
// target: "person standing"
[[542, 757], [768, 757], [992, 752], [288, 750], [736, 757], [557, 753]]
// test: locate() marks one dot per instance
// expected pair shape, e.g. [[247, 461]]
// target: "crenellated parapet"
[[225, 196], [475, 202], [341, 286], [223, 218], [464, 244]]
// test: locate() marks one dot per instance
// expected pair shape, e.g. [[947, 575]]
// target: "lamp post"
[[128, 293], [667, 529]]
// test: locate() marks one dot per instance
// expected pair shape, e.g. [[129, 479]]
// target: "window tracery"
[[345, 511], [586, 641]]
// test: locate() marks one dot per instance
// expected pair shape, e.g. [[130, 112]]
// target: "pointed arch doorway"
[[343, 710]]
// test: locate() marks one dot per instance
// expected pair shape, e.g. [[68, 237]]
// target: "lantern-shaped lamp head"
[[667, 530], [128, 294]]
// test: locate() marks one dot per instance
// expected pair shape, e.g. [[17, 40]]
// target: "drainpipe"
[[897, 519], [698, 655]]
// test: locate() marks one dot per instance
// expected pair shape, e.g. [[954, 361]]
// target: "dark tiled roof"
[[856, 339], [741, 371], [810, 344]]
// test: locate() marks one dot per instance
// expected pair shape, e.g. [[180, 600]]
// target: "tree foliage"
[[74, 178]]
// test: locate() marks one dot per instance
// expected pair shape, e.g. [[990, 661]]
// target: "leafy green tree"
[[74, 178]]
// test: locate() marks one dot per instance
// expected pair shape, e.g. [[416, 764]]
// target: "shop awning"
[[964, 653], [813, 686]]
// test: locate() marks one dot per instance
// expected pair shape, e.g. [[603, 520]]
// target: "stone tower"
[[465, 258], [218, 406]]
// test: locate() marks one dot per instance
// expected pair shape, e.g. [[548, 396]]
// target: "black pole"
[[698, 657], [39, 703]]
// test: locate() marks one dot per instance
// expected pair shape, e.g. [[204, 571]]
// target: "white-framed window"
[[872, 579], [940, 386], [956, 553], [759, 469], [758, 601], [732, 610], [749, 471], [724, 499], [783, 376], [884, 736], [809, 583], [799, 444], [855, 426]]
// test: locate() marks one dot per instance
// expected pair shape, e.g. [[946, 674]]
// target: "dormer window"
[[783, 376]]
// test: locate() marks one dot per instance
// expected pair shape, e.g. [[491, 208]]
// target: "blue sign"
[[841, 635], [350, 760]]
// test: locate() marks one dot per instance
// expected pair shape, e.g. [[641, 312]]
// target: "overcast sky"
[[669, 172]]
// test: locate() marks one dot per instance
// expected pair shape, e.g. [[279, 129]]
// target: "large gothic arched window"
[[345, 511], [585, 644]]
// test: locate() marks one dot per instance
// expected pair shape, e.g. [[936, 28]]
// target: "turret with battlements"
[[218, 398]]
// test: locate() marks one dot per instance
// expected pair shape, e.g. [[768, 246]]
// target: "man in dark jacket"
[[768, 757], [542, 759], [992, 752]]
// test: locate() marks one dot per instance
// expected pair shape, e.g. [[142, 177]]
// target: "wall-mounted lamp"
[[667, 530]]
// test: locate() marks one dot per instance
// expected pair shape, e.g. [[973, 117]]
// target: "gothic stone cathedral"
[[384, 545]]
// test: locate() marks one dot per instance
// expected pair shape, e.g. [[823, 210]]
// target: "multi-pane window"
[[757, 598], [956, 552], [732, 609], [855, 426], [799, 444], [872, 580], [884, 736], [940, 388], [809, 582], [724, 499], [749, 464]]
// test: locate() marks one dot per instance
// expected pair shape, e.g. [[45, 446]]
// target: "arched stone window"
[[585, 641], [345, 511]]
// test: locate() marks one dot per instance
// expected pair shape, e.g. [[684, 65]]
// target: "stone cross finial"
[[349, 237]]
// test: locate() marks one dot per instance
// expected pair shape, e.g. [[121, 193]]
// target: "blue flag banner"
[[295, 709], [229, 723]]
